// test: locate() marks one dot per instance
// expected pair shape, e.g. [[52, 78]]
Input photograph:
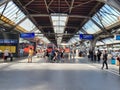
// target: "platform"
[[39, 75]]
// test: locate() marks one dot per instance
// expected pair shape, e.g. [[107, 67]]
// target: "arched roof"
[[76, 13]]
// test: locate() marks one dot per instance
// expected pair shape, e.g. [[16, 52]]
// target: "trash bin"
[[113, 61]]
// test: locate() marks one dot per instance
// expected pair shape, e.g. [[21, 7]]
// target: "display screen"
[[86, 36], [27, 35]]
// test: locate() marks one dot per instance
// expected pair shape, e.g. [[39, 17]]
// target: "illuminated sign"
[[117, 37], [1, 41], [27, 35], [8, 41], [86, 36]]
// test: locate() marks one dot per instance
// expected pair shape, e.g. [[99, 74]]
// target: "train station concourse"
[[59, 44]]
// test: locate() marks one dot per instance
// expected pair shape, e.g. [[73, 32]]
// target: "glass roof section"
[[45, 40], [90, 27], [59, 22], [107, 16], [13, 13], [27, 24], [74, 40], [108, 41]]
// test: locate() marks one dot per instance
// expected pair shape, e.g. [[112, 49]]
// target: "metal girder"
[[4, 9], [85, 20], [18, 23], [50, 3], [46, 6], [24, 8], [49, 34], [47, 15], [104, 30], [71, 6], [34, 29], [113, 3], [93, 10], [4, 1], [83, 3], [82, 30], [59, 26], [29, 3], [67, 3]]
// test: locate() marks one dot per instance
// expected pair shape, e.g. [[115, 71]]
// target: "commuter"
[[6, 54], [52, 54], [105, 59], [99, 55], [56, 56], [0, 53], [73, 52], [30, 55], [94, 56], [21, 52], [118, 59], [62, 53], [11, 56], [91, 54], [46, 55]]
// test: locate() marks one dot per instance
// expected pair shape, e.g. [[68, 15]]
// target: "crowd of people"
[[96, 57], [55, 55], [7, 54]]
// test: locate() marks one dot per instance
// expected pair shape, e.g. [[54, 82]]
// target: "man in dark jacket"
[[99, 55], [105, 60]]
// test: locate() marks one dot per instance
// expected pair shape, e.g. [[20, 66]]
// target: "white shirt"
[[6, 53]]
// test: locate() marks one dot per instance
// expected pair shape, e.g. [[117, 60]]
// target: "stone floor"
[[78, 74]]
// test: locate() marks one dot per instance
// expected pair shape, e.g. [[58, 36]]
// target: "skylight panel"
[[27, 24], [59, 20]]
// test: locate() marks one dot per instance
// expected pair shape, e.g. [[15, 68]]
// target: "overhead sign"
[[117, 37], [86, 36], [10, 41], [27, 35]]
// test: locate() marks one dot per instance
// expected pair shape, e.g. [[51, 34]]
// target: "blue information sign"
[[117, 37], [7, 41], [86, 36], [1, 40], [27, 35]]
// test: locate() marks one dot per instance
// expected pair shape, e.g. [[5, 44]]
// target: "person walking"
[[30, 54], [99, 55], [105, 60], [6, 54], [11, 56]]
